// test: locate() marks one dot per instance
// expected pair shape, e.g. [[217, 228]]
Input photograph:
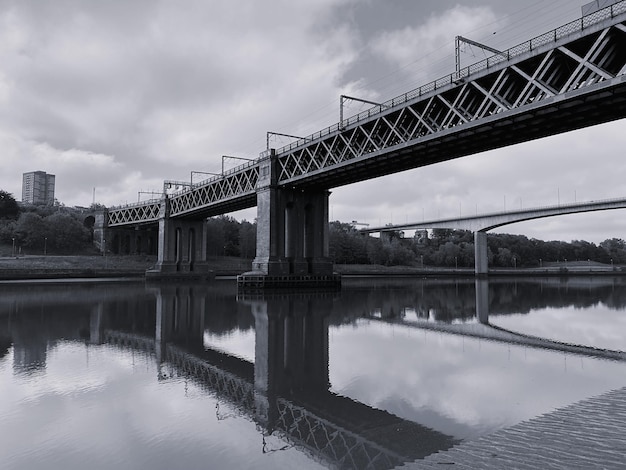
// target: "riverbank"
[[90, 266], [50, 267]]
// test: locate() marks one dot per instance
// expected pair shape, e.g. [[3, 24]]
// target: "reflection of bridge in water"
[[482, 329], [286, 390]]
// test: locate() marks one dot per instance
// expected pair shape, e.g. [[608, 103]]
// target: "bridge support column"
[[292, 233], [181, 245], [291, 351], [481, 259], [100, 231], [179, 318], [96, 324], [482, 300]]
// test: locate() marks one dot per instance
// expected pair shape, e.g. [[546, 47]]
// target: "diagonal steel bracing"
[[568, 78], [143, 212], [579, 66], [233, 190]]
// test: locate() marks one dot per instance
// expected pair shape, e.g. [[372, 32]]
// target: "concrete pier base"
[[256, 280]]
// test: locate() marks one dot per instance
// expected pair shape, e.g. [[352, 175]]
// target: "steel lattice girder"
[[130, 341], [234, 190], [342, 447], [134, 214], [236, 390], [574, 82]]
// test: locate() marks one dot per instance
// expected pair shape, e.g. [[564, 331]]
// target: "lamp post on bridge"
[[13, 250], [224, 157], [45, 246], [202, 173]]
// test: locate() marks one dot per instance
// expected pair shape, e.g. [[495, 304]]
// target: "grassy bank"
[[55, 266], [39, 266]]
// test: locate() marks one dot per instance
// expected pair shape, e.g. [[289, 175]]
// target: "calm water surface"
[[125, 375]]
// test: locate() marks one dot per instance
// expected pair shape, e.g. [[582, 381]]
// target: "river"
[[123, 374]]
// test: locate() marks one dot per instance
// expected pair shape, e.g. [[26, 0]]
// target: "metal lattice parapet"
[[568, 78], [578, 58], [130, 341], [550, 37], [340, 446], [141, 212], [222, 384], [235, 189]]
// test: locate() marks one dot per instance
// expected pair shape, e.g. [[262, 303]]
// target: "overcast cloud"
[[120, 95]]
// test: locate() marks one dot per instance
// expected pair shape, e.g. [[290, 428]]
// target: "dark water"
[[127, 376]]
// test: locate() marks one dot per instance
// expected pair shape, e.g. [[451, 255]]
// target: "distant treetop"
[[8, 206]]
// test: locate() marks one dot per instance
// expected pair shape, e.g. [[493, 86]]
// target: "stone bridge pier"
[[292, 234], [181, 245]]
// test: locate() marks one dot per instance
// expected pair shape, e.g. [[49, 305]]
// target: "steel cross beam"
[[566, 79]]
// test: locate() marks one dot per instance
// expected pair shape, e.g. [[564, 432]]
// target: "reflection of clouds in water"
[[478, 385], [600, 328], [104, 405], [239, 343]]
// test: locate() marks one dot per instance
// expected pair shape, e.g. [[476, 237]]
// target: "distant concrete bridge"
[[480, 224], [566, 79]]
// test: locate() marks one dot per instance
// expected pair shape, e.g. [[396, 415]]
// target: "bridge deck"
[[588, 434]]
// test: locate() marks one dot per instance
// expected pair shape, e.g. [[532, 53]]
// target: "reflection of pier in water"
[[482, 329], [286, 390]]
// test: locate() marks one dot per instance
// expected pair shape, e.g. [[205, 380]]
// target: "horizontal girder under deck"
[[572, 82]]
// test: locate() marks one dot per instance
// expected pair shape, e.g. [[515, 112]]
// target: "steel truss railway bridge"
[[566, 79]]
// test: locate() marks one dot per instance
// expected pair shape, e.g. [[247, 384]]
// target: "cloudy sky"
[[122, 94]]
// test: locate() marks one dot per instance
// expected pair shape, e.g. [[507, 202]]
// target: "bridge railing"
[[560, 206], [237, 169], [546, 38], [130, 205], [567, 205]]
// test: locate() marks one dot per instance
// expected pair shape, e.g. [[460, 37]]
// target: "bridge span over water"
[[480, 224], [566, 79]]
